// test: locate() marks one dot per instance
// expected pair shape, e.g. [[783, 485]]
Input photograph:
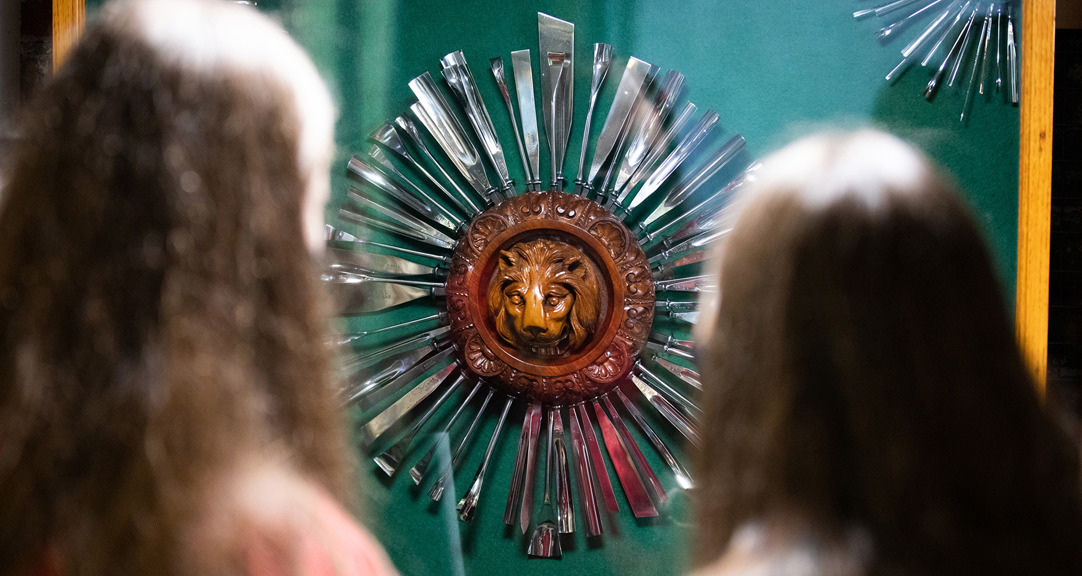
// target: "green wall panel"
[[773, 70]]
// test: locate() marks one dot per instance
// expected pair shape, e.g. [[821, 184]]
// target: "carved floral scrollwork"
[[640, 283], [481, 359], [483, 229], [638, 320], [612, 364], [613, 235]]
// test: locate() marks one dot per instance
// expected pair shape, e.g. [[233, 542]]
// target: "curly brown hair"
[[158, 304], [860, 371]]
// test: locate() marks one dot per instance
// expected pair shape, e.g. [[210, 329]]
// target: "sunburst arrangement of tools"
[[951, 35], [568, 305]]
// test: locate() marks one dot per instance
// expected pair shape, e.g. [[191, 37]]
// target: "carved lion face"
[[544, 297]]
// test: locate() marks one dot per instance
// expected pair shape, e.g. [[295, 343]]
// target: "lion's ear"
[[576, 266], [508, 259]]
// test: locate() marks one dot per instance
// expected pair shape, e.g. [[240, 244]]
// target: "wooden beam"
[[1035, 184], [69, 18]]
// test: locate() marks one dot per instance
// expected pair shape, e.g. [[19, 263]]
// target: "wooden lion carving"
[[544, 297]]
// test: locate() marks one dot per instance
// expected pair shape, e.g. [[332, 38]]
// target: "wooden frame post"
[[69, 18]]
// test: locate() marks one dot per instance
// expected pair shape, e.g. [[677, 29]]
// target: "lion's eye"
[[516, 298], [552, 300]]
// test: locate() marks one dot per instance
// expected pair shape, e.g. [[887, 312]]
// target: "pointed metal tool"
[[560, 71], [436, 492], [594, 448], [591, 514], [710, 218], [393, 220], [666, 344], [646, 167], [602, 59], [703, 283], [565, 510], [426, 338], [688, 375], [335, 235], [518, 477], [520, 60], [683, 479], [389, 137], [1012, 57], [351, 338], [685, 311], [933, 84], [636, 453], [457, 74], [604, 192], [545, 541], [694, 180], [648, 375], [440, 213], [557, 36], [382, 264], [364, 382], [679, 421], [885, 32], [650, 127], [433, 111], [634, 489], [687, 145], [497, 72], [390, 459], [467, 506], [366, 391], [414, 135], [393, 413], [417, 472], [631, 85], [379, 178], [526, 509]]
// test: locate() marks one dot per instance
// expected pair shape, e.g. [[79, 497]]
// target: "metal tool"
[[650, 126], [368, 173], [634, 489], [636, 453], [361, 383], [591, 514], [375, 427], [373, 396], [520, 61], [349, 338], [389, 137], [467, 506], [565, 510], [688, 375], [1012, 56], [556, 37], [648, 375], [426, 338], [594, 449], [382, 264], [604, 192], [457, 74], [967, 37], [602, 60], [436, 492], [531, 465], [709, 220], [336, 235], [631, 85], [497, 72], [930, 89], [687, 145], [885, 32], [414, 135], [390, 459], [393, 220], [545, 541], [986, 28], [417, 473], [702, 283], [683, 479], [443, 215], [518, 477], [657, 150], [679, 421]]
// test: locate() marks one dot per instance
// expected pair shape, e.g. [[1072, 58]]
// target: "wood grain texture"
[[69, 18], [1035, 183]]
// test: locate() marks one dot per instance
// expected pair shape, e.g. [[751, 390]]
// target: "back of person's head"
[[861, 375], [158, 317]]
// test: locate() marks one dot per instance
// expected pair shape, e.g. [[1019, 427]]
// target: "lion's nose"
[[533, 318]]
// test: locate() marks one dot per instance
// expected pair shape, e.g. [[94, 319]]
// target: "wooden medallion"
[[550, 297]]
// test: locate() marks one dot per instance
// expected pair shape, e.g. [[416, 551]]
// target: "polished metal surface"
[[696, 136], [467, 506], [498, 73], [523, 67], [390, 459], [555, 37], [602, 60], [414, 135], [457, 74], [637, 497], [417, 472], [627, 92], [683, 479], [383, 421]]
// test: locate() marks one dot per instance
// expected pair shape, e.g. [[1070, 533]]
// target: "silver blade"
[[710, 219], [426, 338], [514, 492], [390, 459], [335, 235], [436, 115], [498, 73], [648, 375], [398, 220], [703, 283], [404, 365], [556, 36], [520, 60], [436, 492], [379, 178], [593, 447], [393, 413], [590, 512], [695, 179], [657, 150], [650, 127], [683, 479], [631, 84], [378, 263], [417, 472], [535, 414], [347, 338], [369, 222], [687, 145], [565, 509], [636, 452], [437, 211], [602, 59], [467, 506], [414, 135], [457, 74], [686, 374], [436, 360], [666, 409], [638, 109], [561, 72]]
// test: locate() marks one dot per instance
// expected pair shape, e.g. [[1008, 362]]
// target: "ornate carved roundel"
[[550, 297]]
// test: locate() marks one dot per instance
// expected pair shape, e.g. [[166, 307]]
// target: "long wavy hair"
[[158, 304], [860, 372]]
